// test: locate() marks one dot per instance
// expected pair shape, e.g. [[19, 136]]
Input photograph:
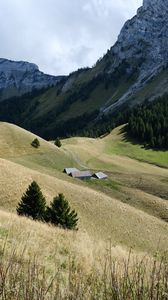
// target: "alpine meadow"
[[84, 170]]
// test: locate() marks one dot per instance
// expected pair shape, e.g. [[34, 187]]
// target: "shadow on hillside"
[[127, 138]]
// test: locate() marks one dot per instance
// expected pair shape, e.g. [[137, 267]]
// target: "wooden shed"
[[81, 175], [68, 171], [100, 175]]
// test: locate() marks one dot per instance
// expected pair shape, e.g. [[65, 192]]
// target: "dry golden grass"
[[102, 216], [50, 244], [15, 141], [41, 262], [15, 145]]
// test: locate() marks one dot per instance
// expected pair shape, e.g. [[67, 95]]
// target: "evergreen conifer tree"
[[33, 203], [60, 213], [58, 142], [35, 143]]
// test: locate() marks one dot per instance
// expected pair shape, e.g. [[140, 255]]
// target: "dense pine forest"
[[148, 123]]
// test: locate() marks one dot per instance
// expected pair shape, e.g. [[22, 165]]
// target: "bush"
[[35, 143], [33, 203], [58, 142], [60, 213]]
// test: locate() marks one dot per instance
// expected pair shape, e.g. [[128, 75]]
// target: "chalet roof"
[[70, 170], [81, 174], [100, 175]]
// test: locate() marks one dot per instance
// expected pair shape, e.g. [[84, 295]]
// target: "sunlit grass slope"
[[116, 143], [38, 261], [49, 244], [102, 215], [15, 144], [134, 173]]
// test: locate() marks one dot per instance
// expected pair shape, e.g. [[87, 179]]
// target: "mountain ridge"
[[21, 77], [133, 70], [142, 42]]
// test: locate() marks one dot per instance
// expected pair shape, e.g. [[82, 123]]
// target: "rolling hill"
[[115, 208], [128, 210]]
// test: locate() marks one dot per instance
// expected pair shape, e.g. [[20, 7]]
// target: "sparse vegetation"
[[35, 143]]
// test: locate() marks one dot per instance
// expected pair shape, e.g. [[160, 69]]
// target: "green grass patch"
[[124, 147], [49, 162], [99, 164], [107, 183]]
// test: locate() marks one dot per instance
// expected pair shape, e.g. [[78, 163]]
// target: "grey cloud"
[[61, 35]]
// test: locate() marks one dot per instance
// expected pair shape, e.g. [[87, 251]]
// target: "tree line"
[[149, 123]]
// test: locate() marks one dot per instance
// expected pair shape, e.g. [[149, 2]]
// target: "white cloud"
[[61, 35]]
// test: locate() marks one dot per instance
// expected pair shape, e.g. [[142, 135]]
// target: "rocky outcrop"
[[134, 69], [142, 44], [21, 77]]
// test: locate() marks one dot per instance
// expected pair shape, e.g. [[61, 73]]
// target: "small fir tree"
[[33, 203], [58, 142], [35, 143], [60, 213]]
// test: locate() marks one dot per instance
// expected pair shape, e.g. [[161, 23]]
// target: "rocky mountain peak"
[[19, 77], [10, 66], [156, 5], [143, 45]]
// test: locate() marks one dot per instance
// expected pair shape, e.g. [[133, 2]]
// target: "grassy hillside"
[[44, 263], [118, 144], [134, 175], [15, 144], [101, 209], [101, 216], [129, 209]]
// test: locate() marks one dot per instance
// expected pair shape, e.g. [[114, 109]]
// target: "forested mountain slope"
[[133, 70]]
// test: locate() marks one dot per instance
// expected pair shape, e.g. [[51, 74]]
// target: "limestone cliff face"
[[22, 77], [142, 43], [158, 5]]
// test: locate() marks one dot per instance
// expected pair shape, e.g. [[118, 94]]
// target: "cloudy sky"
[[61, 35]]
